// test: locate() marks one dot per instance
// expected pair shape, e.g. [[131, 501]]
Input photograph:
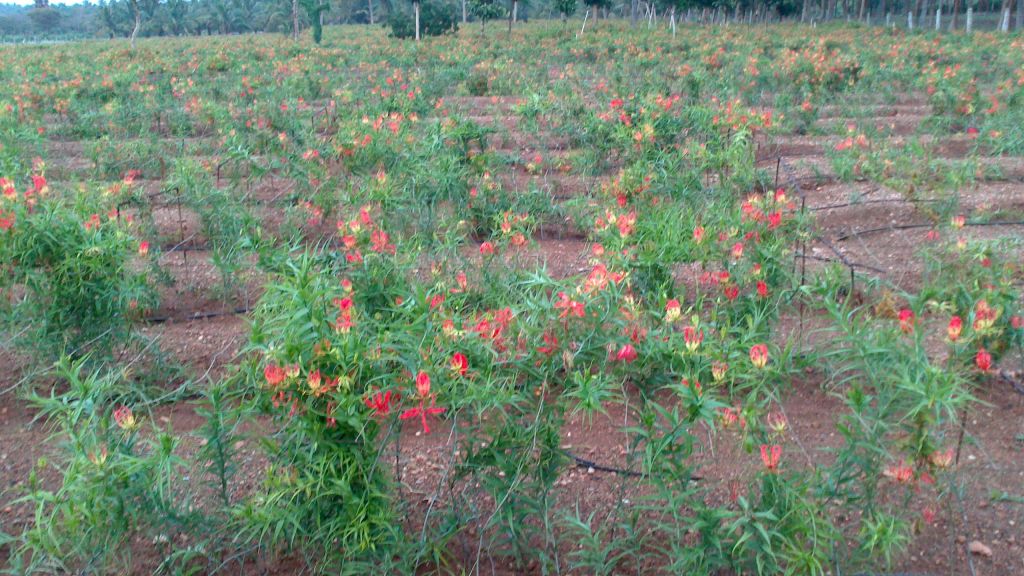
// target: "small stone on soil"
[[976, 547]]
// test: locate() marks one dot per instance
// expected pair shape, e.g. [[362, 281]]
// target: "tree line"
[[131, 18]]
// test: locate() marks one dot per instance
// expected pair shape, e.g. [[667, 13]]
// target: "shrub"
[[316, 370], [477, 84], [116, 484], [72, 263]]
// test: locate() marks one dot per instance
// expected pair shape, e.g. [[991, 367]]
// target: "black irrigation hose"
[[1017, 386], [838, 261], [914, 226], [893, 574], [842, 257], [588, 464], [197, 316], [584, 463], [184, 247], [781, 164], [878, 201]]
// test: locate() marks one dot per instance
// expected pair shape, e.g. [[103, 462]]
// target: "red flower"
[[487, 249], [125, 419], [617, 103], [692, 337], [901, 473], [421, 412], [423, 384], [718, 370], [381, 242], [626, 354], [39, 183], [731, 292], [759, 355], [550, 344], [343, 323], [732, 416], [983, 360], [737, 250], [461, 283], [906, 320], [943, 459], [698, 234], [956, 325], [143, 248], [274, 375], [672, 310], [459, 363], [770, 456], [569, 307], [762, 289], [380, 402], [984, 315]]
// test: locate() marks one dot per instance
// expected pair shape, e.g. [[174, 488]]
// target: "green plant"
[[83, 270], [116, 485], [325, 490]]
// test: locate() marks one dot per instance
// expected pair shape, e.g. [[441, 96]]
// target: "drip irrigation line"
[[878, 201], [198, 316], [855, 234], [842, 257], [584, 463], [184, 247], [893, 574], [838, 261], [588, 464], [1017, 386], [178, 246]]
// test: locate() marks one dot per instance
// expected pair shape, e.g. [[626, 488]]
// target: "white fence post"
[[970, 19], [910, 20], [938, 18]]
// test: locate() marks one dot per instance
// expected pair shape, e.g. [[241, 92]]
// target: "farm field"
[[734, 300]]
